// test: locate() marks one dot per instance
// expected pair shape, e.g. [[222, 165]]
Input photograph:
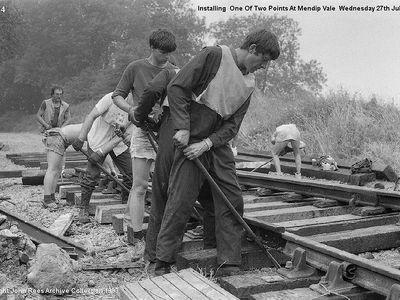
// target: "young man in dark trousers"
[[207, 99]]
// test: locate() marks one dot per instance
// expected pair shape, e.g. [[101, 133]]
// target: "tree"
[[89, 41], [65, 37], [11, 31], [174, 15], [288, 73]]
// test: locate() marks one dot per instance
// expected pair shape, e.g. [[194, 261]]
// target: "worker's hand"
[[119, 131], [181, 138], [195, 150], [77, 144], [152, 125], [96, 157], [133, 120]]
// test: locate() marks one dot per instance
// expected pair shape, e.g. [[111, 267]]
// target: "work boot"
[[49, 203], [227, 270], [162, 268], [149, 268], [110, 189], [83, 216], [103, 183]]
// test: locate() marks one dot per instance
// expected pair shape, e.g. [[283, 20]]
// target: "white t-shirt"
[[102, 130]]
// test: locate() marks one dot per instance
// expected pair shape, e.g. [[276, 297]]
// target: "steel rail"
[[368, 274], [341, 192], [42, 235], [256, 156]]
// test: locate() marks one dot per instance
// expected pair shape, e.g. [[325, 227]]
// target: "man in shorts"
[[57, 141], [287, 135], [53, 113], [134, 79]]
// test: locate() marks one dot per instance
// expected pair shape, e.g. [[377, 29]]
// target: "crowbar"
[[215, 186], [108, 173]]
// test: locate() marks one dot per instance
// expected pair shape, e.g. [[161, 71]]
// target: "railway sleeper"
[[298, 281]]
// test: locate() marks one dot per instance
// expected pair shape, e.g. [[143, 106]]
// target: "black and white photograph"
[[199, 149]]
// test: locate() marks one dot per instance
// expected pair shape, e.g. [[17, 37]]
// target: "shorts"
[[140, 145], [56, 143], [281, 148], [286, 132]]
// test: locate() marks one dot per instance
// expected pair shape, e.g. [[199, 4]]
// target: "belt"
[[52, 133]]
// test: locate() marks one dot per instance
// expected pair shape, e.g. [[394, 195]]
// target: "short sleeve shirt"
[[102, 130]]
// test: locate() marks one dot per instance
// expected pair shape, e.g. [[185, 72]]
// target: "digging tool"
[[108, 173], [255, 169], [215, 186], [284, 151]]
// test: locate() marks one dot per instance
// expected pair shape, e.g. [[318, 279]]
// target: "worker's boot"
[[83, 216], [227, 270], [125, 194], [162, 268], [103, 183], [49, 203], [110, 188]]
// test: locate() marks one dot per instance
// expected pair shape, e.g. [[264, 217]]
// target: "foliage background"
[[84, 46]]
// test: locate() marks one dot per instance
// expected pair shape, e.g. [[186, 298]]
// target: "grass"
[[342, 125]]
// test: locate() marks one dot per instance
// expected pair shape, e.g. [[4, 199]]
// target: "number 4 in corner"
[[3, 9]]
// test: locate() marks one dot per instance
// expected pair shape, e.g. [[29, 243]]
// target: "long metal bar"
[[108, 173], [40, 234], [370, 275], [341, 192], [217, 189], [238, 217], [251, 155]]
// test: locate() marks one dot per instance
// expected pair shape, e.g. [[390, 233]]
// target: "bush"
[[339, 124]]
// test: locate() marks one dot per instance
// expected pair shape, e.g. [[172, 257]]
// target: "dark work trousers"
[[183, 181], [184, 186], [92, 176], [206, 200], [160, 180]]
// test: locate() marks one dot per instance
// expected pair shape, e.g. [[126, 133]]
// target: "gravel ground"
[[25, 201]]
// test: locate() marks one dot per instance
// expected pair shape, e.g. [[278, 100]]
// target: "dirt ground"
[[25, 201]]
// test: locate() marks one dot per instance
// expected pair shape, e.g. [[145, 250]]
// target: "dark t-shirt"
[[54, 121], [136, 77], [55, 117]]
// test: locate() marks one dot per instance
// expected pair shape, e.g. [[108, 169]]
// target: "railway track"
[[324, 227], [358, 220]]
